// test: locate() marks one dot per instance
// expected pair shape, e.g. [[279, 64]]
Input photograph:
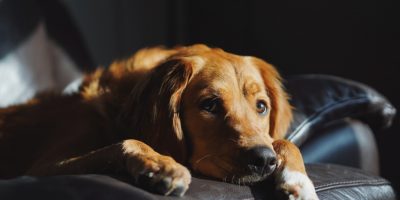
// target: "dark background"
[[356, 39]]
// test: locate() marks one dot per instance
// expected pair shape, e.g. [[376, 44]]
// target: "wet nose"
[[261, 160]]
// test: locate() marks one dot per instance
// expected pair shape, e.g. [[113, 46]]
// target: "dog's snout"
[[261, 160]]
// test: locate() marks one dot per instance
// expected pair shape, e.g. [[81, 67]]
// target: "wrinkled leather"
[[331, 182], [320, 99], [334, 182]]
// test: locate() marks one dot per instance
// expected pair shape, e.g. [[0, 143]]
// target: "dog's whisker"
[[224, 164], [201, 159], [233, 140], [226, 115]]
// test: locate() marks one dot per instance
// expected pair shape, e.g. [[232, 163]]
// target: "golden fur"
[[142, 116]]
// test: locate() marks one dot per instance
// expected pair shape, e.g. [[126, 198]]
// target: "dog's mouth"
[[238, 175], [249, 179], [248, 175]]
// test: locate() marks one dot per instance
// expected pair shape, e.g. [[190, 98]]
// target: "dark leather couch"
[[335, 122]]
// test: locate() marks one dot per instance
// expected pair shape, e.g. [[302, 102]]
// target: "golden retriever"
[[219, 114]]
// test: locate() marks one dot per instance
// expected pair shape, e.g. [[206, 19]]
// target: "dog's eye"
[[210, 105], [261, 107]]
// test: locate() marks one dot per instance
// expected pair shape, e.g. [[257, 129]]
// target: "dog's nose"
[[261, 160]]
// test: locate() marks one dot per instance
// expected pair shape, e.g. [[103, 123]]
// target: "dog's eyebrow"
[[251, 88], [207, 89], [209, 92]]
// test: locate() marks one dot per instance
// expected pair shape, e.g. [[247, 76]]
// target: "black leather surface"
[[320, 99], [18, 19], [331, 182], [345, 142], [62, 29], [334, 182]]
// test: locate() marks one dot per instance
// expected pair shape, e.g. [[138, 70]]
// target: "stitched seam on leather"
[[323, 110], [342, 184]]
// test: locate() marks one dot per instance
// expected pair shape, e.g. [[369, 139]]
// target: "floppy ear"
[[153, 109], [281, 111]]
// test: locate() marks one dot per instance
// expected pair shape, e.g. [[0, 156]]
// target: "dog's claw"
[[179, 190], [162, 185]]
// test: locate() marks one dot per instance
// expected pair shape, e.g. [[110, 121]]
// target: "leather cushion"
[[320, 99], [344, 142], [331, 182], [18, 19]]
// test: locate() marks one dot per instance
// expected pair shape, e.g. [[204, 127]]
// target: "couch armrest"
[[346, 142], [320, 99]]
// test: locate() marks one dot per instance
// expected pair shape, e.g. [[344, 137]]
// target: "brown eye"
[[261, 107], [210, 105]]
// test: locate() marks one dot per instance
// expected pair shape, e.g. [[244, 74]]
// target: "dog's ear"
[[281, 111], [154, 107]]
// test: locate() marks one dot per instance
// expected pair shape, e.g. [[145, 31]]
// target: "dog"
[[155, 116]]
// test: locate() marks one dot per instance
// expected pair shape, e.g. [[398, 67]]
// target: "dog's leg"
[[150, 170], [290, 174]]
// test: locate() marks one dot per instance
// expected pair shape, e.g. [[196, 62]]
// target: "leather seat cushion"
[[331, 182]]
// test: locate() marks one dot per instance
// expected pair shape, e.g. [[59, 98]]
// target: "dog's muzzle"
[[259, 160]]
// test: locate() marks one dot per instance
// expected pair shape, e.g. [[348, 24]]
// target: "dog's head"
[[226, 108]]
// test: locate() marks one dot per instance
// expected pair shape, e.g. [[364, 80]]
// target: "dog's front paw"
[[296, 186], [160, 174]]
